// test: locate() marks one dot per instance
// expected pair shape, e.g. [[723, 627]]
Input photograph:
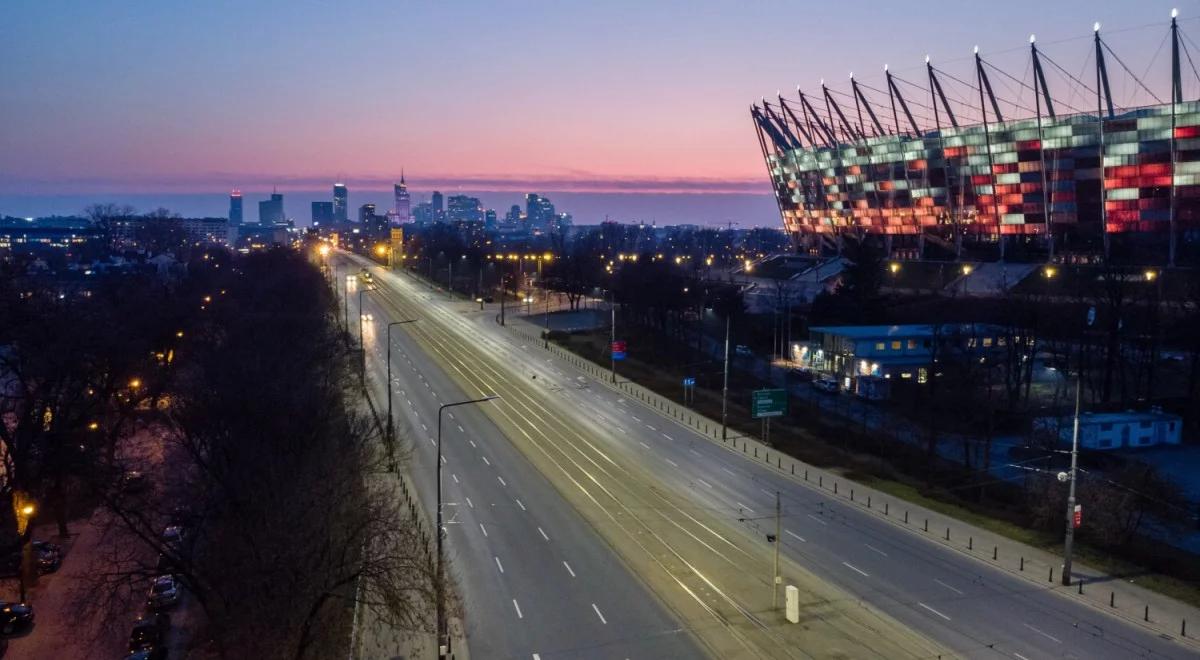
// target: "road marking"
[[518, 609], [948, 586], [729, 471], [443, 459], [767, 492], [498, 564], [483, 529], [790, 532], [521, 505], [817, 519], [538, 657], [856, 570], [1043, 633], [651, 427], [460, 429], [621, 430], [569, 569], [876, 549], [602, 619], [743, 506], [450, 415], [424, 427], [543, 534], [455, 477], [485, 460], [472, 444], [643, 444], [470, 504], [694, 451], [635, 418], [704, 482], [501, 479], [668, 437], [934, 611], [673, 463], [1019, 656]]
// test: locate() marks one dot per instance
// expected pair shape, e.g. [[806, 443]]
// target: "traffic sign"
[[689, 382], [1078, 520], [768, 403], [618, 350]]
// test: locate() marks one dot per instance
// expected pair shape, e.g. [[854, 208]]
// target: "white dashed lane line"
[[602, 619], [521, 505], [568, 566], [935, 611], [856, 569]]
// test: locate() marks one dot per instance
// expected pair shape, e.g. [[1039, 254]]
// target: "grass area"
[[890, 467]]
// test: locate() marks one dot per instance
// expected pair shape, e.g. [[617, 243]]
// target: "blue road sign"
[[689, 382]]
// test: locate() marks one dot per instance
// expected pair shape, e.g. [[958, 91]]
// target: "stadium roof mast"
[[762, 143], [796, 121], [895, 95], [1176, 98], [847, 129], [858, 96], [983, 83], [1040, 90], [808, 109], [935, 90], [1103, 93]]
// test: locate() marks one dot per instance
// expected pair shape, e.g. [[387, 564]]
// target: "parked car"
[[742, 349], [15, 617], [826, 384], [149, 634], [47, 555], [164, 592]]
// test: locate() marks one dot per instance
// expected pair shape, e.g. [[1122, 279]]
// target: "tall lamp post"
[[612, 355], [1069, 541], [725, 387], [24, 508], [443, 638], [390, 425]]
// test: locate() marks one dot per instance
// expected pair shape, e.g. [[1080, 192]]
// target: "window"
[[896, 345], [987, 342], [879, 346], [922, 375], [912, 344]]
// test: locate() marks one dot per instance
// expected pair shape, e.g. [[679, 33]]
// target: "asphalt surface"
[[536, 579], [971, 608]]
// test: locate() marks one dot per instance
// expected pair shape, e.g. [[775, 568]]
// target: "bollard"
[[806, 475], [1147, 615], [1183, 628], [927, 524], [1081, 585], [835, 488], [851, 494], [970, 543], [767, 456], [1112, 599], [868, 501], [885, 508], [743, 446], [995, 551], [1051, 574], [779, 464], [756, 452], [947, 533], [820, 481], [1022, 563], [793, 468]]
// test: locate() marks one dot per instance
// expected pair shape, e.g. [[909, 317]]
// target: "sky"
[[177, 97]]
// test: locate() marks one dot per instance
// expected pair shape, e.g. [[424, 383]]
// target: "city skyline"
[[663, 113]]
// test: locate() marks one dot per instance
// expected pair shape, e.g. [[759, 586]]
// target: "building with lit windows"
[[910, 165], [341, 197], [235, 207], [402, 204]]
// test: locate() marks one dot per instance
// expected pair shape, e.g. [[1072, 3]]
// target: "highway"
[[536, 580], [677, 488]]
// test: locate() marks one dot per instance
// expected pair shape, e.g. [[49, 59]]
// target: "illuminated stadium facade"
[[860, 168]]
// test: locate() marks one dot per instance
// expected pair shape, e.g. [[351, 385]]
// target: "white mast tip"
[[1032, 38], [927, 59], [1174, 13], [976, 51], [885, 67], [1096, 26]]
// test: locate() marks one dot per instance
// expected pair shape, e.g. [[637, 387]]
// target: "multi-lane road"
[[585, 524]]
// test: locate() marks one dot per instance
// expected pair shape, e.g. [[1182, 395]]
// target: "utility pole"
[[778, 542], [725, 388], [1070, 539], [391, 428], [546, 321], [614, 335]]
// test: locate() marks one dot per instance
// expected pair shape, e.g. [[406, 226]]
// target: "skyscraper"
[[322, 213], [402, 207], [461, 208], [270, 211], [341, 198], [539, 211], [235, 207], [366, 213], [439, 205]]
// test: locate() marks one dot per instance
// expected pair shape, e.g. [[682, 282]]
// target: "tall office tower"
[[341, 198], [235, 207], [366, 213], [513, 216], [461, 208], [270, 212], [402, 208], [322, 213], [539, 212], [439, 206], [489, 219]]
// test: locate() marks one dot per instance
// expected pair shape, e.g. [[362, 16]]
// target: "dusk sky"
[[599, 96]]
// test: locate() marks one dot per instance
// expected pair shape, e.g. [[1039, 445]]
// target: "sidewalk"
[[1116, 596]]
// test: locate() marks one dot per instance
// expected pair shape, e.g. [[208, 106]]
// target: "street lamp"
[[443, 639], [1069, 541], [24, 508], [390, 426], [725, 386]]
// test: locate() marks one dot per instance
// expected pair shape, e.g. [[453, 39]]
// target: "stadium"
[[1042, 179]]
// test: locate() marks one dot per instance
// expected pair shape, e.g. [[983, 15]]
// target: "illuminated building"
[[235, 207], [858, 167], [340, 199]]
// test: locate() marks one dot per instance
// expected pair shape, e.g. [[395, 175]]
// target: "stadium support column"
[[1039, 87], [1102, 93], [987, 141], [1176, 98], [935, 91]]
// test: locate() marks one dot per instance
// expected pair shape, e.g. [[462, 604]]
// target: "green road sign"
[[768, 403]]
